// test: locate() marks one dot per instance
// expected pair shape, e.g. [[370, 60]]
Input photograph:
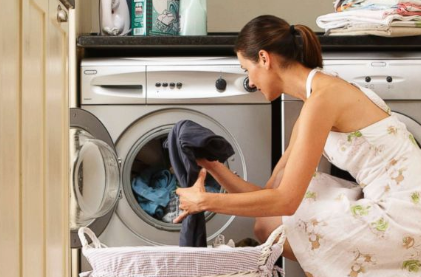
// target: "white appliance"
[[128, 107], [393, 76], [114, 17]]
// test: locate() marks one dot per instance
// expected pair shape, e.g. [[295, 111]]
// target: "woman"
[[334, 227]]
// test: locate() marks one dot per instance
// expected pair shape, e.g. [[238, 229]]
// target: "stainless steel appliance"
[[128, 106], [393, 76]]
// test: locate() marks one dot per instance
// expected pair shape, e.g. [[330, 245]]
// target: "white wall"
[[231, 15]]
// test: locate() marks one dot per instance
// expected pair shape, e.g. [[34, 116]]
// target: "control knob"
[[221, 84], [247, 87]]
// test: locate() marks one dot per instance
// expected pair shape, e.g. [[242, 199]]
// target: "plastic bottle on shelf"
[[193, 18], [138, 17]]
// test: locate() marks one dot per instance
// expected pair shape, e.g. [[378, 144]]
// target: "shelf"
[[215, 40], [369, 43], [223, 43]]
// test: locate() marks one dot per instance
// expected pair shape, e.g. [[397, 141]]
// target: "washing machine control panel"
[[200, 84], [194, 80]]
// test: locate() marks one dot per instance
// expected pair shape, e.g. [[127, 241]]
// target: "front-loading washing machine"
[[392, 75], [128, 107]]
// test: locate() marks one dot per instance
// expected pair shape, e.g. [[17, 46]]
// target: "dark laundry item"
[[211, 185], [247, 242], [187, 142]]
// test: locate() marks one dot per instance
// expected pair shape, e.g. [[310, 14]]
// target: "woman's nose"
[[251, 83]]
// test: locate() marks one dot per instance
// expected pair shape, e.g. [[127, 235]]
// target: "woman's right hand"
[[206, 163]]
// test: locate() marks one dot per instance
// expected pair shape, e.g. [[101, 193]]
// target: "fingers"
[[201, 162], [189, 194], [202, 177], [180, 218]]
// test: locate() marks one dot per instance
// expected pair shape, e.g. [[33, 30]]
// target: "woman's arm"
[[227, 179], [234, 184], [316, 120], [278, 171]]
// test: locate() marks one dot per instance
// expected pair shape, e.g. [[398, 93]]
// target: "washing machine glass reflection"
[[96, 177]]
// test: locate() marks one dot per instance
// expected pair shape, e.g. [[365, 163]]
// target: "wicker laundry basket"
[[174, 261]]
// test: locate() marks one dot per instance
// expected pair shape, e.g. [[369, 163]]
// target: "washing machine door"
[[95, 174], [146, 167]]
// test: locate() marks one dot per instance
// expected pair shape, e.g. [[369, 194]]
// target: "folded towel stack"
[[387, 18]]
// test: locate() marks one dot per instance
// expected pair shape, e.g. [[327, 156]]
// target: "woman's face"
[[261, 76]]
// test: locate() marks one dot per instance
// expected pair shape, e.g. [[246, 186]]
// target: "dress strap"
[[310, 80]]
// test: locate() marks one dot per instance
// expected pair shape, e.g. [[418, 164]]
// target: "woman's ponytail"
[[311, 49], [273, 34]]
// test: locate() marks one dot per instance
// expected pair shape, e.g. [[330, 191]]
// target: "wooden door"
[[56, 141], [34, 137], [10, 146]]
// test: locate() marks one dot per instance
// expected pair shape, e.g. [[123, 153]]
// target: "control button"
[[165, 85], [172, 85], [368, 79], [179, 85], [158, 84], [389, 79], [220, 84], [247, 87], [90, 72]]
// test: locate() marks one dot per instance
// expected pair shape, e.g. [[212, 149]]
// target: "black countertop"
[[222, 43], [70, 4]]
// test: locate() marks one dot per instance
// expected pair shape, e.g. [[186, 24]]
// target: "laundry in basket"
[[175, 261]]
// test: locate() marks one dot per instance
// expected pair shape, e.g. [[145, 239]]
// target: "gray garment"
[[187, 142]]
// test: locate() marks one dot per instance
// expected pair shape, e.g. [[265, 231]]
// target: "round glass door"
[[149, 203], [150, 188], [95, 175], [95, 178]]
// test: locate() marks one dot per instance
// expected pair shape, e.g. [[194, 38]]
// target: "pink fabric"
[[408, 8]]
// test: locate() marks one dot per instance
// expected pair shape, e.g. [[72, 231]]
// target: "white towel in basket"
[[174, 261]]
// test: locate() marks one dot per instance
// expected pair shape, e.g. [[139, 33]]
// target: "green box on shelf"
[[163, 17]]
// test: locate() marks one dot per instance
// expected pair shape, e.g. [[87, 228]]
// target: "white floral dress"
[[368, 228]]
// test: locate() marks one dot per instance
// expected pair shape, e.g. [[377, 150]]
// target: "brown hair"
[[275, 35]]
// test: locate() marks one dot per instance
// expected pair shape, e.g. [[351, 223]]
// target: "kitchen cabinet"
[[34, 139]]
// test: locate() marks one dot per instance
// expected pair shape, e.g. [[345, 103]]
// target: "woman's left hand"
[[191, 198]]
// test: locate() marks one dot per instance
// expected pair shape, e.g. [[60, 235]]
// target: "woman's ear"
[[264, 58]]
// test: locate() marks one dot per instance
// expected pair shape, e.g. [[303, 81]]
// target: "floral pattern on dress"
[[412, 139], [379, 227], [395, 169], [311, 195], [360, 210], [352, 143], [392, 130], [378, 150], [312, 229], [360, 263], [415, 197], [412, 260]]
